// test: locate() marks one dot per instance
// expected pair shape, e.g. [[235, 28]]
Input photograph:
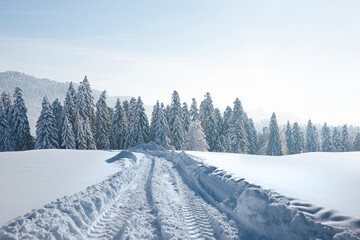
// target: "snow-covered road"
[[168, 195]]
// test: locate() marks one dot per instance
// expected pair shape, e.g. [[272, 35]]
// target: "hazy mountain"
[[35, 89]]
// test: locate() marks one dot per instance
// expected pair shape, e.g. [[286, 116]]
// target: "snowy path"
[[166, 195]]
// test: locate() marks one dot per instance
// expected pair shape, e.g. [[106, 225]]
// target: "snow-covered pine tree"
[[4, 127], [296, 142], [119, 123], [345, 143], [79, 133], [357, 142], [85, 103], [7, 103], [311, 139], [154, 120], [131, 131], [46, 131], [195, 137], [67, 134], [161, 129], [238, 135], [326, 139], [72, 92], [288, 136], [142, 123], [274, 145], [69, 105], [252, 137], [221, 139], [336, 139], [176, 124], [126, 107], [102, 123], [57, 109], [19, 123], [227, 124], [208, 122], [186, 116], [89, 138], [194, 111]]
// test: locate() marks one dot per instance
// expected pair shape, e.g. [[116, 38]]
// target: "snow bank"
[[73, 217], [30, 179], [328, 180], [264, 212]]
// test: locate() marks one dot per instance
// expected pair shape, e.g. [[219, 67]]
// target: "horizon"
[[257, 51]]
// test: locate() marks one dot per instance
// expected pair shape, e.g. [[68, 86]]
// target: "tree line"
[[80, 123]]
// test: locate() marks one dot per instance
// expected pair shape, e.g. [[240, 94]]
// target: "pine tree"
[[220, 142], [227, 125], [311, 138], [7, 103], [4, 127], [72, 92], [67, 134], [336, 139], [208, 122], [102, 123], [154, 120], [79, 133], [186, 117], [46, 130], [19, 123], [195, 137], [161, 129], [118, 126], [194, 111], [357, 142], [326, 139], [131, 131], [176, 124], [252, 137], [142, 123], [345, 143], [85, 103], [89, 138], [288, 136], [238, 135], [69, 105], [297, 139], [274, 145], [58, 114], [126, 107]]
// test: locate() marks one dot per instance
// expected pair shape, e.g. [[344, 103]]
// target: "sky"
[[298, 57]]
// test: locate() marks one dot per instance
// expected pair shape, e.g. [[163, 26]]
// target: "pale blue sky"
[[301, 57]]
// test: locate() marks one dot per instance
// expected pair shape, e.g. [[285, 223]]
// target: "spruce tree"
[[345, 143], [297, 139], [274, 145], [118, 126], [131, 131], [357, 142], [79, 133], [126, 107], [4, 127], [220, 141], [252, 137], [67, 134], [69, 105], [208, 122], [176, 124], [102, 123], [195, 137], [142, 123], [161, 129], [154, 120], [58, 114], [227, 126], [85, 103], [89, 138], [312, 143], [288, 136], [186, 117], [336, 139], [19, 123], [238, 135], [326, 139], [194, 111], [46, 129], [7, 103]]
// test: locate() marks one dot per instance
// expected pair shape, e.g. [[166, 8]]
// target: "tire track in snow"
[[130, 215], [183, 214]]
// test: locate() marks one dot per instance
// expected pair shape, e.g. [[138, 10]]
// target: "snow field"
[[31, 179]]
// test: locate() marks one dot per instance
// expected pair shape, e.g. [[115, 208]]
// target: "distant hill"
[[35, 89]]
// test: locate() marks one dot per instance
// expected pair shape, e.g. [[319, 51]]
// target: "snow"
[[31, 179], [328, 180]]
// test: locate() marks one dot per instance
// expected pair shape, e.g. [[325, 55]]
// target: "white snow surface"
[[30, 179], [328, 180]]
